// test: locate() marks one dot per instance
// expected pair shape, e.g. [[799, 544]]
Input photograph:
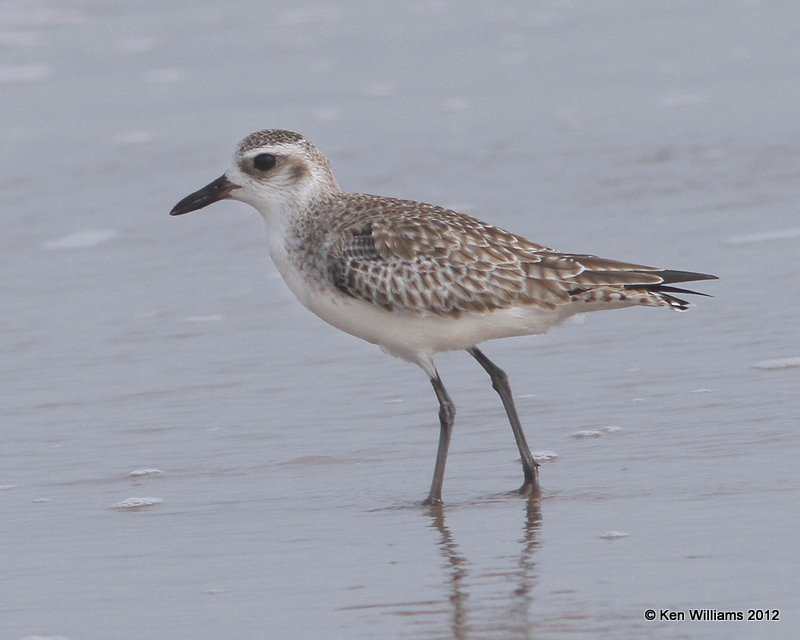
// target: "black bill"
[[217, 190]]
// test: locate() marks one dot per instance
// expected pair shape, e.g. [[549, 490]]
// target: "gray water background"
[[292, 456]]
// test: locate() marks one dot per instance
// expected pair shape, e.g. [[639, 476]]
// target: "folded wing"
[[441, 262]]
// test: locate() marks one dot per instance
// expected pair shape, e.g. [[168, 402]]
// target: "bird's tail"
[[626, 291], [663, 290]]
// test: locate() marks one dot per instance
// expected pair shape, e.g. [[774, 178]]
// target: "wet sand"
[[278, 464]]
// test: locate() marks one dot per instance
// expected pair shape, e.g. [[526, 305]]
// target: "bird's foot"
[[531, 485], [432, 501]]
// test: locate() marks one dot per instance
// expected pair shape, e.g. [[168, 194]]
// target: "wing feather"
[[430, 260]]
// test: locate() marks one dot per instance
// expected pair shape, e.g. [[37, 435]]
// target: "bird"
[[418, 279]]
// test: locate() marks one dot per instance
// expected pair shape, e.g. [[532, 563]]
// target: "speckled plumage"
[[270, 137], [420, 258], [418, 279]]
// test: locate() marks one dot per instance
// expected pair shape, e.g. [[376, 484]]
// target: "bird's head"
[[273, 170]]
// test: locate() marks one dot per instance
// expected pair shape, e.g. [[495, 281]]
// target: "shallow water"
[[286, 460]]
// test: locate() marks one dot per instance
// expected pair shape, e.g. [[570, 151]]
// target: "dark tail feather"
[[665, 289], [668, 276]]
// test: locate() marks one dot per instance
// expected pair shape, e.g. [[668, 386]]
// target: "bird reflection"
[[457, 565], [508, 622]]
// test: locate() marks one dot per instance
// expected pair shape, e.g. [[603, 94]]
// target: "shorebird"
[[417, 279]]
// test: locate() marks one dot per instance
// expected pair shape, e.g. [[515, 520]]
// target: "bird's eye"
[[264, 161]]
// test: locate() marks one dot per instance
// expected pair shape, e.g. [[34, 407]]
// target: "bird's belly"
[[403, 333], [408, 334]]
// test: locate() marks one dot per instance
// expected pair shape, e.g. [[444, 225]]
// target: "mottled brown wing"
[[441, 262]]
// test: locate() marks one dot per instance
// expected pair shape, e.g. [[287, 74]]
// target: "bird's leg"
[[500, 384], [447, 412]]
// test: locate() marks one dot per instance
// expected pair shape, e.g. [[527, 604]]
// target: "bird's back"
[[420, 258]]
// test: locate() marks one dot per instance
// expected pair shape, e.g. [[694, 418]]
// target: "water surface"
[[292, 458]]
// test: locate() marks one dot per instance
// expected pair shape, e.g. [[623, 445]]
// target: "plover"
[[417, 279]]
